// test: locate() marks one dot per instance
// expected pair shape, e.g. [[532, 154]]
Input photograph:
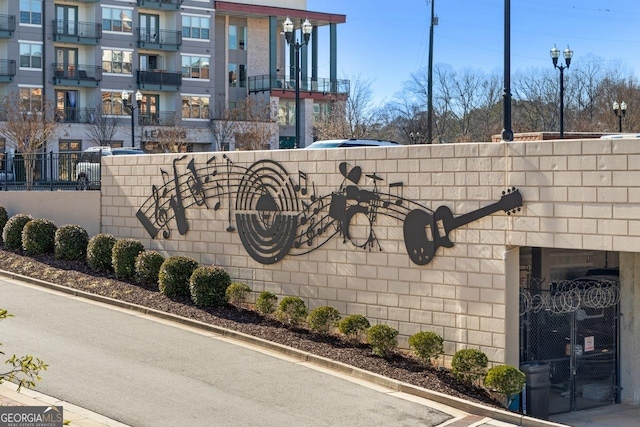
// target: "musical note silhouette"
[[298, 187], [398, 202], [211, 173]]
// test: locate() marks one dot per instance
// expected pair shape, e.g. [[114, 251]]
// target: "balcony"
[[166, 40], [285, 83], [87, 33], [81, 75], [160, 118], [160, 4], [7, 26], [159, 80], [7, 70], [75, 115]]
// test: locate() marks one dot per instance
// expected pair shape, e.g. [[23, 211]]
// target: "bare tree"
[[255, 124], [102, 128], [27, 126], [354, 116], [222, 126]]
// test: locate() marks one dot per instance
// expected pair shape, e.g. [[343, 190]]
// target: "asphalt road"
[[148, 373]]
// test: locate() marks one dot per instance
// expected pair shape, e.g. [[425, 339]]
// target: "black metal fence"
[[50, 171], [573, 327]]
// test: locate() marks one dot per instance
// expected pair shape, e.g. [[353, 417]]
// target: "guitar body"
[[424, 232], [422, 235]]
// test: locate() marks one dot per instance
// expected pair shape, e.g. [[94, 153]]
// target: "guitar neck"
[[465, 219]]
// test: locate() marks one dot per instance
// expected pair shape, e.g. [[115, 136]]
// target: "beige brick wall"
[[580, 194]]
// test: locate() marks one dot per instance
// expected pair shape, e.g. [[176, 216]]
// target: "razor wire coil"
[[568, 296]]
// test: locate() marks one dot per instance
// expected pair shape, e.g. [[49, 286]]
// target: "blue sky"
[[386, 41]]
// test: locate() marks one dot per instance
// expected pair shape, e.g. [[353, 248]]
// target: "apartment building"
[[185, 61]]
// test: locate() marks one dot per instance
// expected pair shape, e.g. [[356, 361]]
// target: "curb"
[[454, 402]]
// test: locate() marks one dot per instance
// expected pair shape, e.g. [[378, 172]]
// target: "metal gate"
[[574, 327]]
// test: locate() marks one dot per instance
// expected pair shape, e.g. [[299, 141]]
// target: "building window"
[[118, 20], [237, 75], [195, 27], [321, 111], [112, 104], [237, 37], [69, 146], [117, 61], [31, 99], [30, 55], [194, 67], [31, 12], [287, 113], [195, 107]]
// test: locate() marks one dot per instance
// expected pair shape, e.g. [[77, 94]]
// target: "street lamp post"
[[287, 26], [555, 54], [620, 110], [125, 101]]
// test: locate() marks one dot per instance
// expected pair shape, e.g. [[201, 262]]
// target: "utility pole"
[[434, 21]]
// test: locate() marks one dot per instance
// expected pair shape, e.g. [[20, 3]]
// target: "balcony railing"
[[287, 83], [7, 25], [167, 40], [79, 32], [7, 70], [75, 115], [161, 4], [81, 75], [159, 80], [160, 118]]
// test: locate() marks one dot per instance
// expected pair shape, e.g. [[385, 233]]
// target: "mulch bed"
[[401, 366]]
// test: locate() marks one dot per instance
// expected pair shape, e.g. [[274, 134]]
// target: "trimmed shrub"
[[323, 319], [208, 286], [99, 252], [292, 310], [71, 243], [38, 237], [383, 340], [12, 231], [469, 365], [266, 303], [174, 275], [123, 257], [4, 217], [148, 265], [427, 346], [506, 380], [237, 294], [354, 327]]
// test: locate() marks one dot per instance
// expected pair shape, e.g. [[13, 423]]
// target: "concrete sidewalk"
[[76, 416]]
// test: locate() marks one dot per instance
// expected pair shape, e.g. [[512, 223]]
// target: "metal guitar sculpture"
[[277, 215], [425, 232]]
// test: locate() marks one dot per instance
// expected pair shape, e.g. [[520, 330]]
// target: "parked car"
[[126, 151], [346, 143], [88, 168]]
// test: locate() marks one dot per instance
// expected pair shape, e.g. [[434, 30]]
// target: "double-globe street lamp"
[[620, 110], [287, 26], [555, 54], [126, 103]]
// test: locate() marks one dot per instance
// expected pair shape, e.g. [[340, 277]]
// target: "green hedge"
[[148, 265], [123, 257], [99, 252], [208, 286], [71, 243], [12, 231], [38, 237], [174, 275]]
